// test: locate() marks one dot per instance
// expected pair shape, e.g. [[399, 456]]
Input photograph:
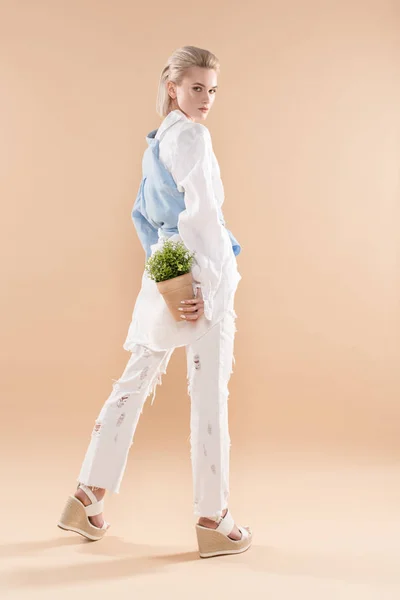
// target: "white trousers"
[[209, 367]]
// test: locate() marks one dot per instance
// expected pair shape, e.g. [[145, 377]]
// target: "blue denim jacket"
[[159, 202]]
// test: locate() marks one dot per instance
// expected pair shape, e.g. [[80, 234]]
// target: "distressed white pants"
[[209, 367]]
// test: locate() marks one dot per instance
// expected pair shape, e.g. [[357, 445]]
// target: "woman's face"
[[196, 92]]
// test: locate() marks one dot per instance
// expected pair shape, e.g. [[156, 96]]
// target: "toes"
[[233, 536]]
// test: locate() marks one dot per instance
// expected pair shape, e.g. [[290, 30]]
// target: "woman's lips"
[[204, 109]]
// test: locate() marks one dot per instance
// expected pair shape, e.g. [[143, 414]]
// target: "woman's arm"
[[199, 224]]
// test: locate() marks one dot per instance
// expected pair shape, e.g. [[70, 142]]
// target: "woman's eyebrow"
[[202, 85]]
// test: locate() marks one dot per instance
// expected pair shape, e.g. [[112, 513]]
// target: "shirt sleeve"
[[236, 247], [199, 224]]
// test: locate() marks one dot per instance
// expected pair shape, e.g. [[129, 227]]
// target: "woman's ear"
[[171, 89]]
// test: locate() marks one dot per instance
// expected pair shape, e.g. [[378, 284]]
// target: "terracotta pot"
[[174, 290]]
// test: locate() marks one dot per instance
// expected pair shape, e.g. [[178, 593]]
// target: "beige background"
[[306, 130]]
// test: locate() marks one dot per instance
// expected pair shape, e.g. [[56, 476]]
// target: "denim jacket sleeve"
[[199, 225], [146, 232]]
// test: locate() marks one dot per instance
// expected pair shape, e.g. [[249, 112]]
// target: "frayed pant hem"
[[109, 489], [216, 516]]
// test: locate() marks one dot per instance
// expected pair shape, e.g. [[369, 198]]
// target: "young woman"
[[180, 198]]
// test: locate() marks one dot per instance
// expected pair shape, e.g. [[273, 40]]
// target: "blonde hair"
[[180, 60]]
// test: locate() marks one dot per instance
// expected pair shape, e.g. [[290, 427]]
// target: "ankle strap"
[[226, 524], [88, 492]]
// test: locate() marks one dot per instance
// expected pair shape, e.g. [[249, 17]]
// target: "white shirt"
[[185, 148]]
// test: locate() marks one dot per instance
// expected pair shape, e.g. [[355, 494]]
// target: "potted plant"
[[170, 267]]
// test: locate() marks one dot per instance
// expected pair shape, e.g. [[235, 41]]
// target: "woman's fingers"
[[193, 317], [194, 308]]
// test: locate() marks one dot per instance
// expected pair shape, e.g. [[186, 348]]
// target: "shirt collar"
[[171, 118]]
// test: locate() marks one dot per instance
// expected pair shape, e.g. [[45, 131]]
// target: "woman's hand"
[[193, 308]]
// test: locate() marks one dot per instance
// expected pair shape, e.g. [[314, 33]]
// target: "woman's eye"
[[198, 89]]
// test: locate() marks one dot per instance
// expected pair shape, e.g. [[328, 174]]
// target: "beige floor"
[[324, 529]]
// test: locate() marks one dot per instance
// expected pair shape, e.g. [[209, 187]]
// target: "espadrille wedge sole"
[[214, 542], [75, 516]]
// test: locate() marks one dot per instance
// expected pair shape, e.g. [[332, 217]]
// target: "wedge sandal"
[[214, 542], [75, 516]]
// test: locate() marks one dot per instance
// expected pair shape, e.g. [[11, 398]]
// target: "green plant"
[[172, 260]]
